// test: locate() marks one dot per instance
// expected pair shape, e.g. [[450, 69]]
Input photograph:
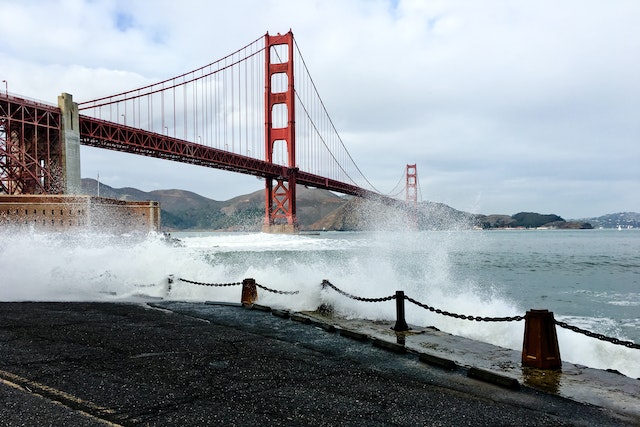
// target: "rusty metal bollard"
[[169, 282], [401, 324], [249, 292], [325, 309], [540, 346]]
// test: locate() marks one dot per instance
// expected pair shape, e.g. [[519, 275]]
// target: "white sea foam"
[[95, 267], [578, 348], [625, 303]]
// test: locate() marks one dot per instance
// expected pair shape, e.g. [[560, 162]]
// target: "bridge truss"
[[30, 147]]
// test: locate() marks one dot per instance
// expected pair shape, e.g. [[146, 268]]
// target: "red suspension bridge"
[[241, 113]]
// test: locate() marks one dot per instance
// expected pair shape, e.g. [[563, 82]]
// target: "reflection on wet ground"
[[587, 385]]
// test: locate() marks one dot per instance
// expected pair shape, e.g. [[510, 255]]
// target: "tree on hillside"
[[533, 220]]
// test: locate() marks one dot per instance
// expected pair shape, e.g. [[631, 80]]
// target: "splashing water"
[[444, 269]]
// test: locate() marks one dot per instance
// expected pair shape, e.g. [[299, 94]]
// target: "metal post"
[[401, 324], [170, 279], [540, 345], [249, 292]]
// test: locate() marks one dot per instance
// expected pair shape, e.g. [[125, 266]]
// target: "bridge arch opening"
[[279, 116], [280, 152], [279, 53], [279, 83]]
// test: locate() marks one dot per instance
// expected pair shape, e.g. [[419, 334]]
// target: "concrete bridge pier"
[[70, 135]]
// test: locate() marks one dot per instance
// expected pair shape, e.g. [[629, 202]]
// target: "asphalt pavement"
[[198, 364]]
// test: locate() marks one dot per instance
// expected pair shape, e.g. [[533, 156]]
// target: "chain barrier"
[[238, 283], [465, 317], [326, 283], [629, 344], [209, 284], [418, 303], [277, 292]]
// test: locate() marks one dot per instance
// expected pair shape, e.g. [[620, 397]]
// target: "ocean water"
[[587, 278]]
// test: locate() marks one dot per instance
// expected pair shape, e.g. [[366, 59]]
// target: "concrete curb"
[[359, 336], [437, 361], [391, 346], [493, 378]]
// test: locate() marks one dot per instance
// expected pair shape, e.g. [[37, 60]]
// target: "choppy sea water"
[[587, 278]]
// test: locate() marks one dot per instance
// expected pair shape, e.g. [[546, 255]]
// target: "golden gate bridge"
[[242, 113]]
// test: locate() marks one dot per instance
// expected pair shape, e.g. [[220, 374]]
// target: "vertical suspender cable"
[[246, 108], [139, 111], [182, 104], [233, 139], [239, 115], [197, 138], [174, 109], [255, 94], [162, 110], [205, 110], [216, 108], [225, 109]]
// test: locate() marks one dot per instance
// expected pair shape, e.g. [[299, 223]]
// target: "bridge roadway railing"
[[6, 98], [540, 347], [113, 136]]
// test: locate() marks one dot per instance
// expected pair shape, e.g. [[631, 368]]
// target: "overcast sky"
[[505, 106]]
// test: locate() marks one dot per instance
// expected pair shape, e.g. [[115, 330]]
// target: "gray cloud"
[[504, 107]]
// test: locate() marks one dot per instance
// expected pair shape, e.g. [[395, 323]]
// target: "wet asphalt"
[[199, 364]]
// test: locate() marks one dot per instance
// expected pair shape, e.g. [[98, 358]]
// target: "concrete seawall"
[[78, 212]]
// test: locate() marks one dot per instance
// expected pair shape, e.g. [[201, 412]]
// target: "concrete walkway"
[[172, 363], [597, 387]]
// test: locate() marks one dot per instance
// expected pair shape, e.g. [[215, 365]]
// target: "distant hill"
[[316, 210], [324, 210], [622, 219], [184, 210], [529, 220], [179, 209]]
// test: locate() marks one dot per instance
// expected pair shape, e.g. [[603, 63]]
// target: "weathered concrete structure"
[[76, 212], [40, 180], [70, 136]]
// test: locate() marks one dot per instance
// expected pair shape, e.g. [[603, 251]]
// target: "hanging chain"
[[209, 284], [277, 292], [193, 282], [629, 344], [465, 317], [326, 283]]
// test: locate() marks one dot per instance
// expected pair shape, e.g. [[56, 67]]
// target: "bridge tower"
[[412, 196], [280, 192], [412, 185]]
